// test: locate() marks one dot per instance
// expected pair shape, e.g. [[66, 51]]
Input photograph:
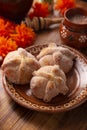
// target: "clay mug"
[[73, 29]]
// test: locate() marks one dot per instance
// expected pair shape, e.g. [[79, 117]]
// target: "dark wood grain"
[[15, 117]]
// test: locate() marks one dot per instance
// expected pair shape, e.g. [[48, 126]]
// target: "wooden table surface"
[[16, 117]]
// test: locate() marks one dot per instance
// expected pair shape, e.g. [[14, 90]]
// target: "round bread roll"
[[48, 82], [53, 54], [18, 66]]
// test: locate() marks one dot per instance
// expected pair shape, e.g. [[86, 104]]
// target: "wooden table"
[[15, 117]]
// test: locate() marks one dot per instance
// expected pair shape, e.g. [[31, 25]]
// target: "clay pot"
[[15, 9], [73, 29]]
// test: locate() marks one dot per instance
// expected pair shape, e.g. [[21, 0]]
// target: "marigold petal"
[[7, 45], [63, 5], [40, 10], [24, 36]]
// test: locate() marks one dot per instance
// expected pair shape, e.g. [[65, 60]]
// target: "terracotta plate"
[[76, 81]]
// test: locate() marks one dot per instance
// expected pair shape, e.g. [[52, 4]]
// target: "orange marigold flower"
[[6, 27], [40, 10], [63, 5], [24, 36], [7, 45]]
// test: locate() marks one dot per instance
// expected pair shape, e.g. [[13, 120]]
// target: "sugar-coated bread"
[[47, 82], [18, 66], [54, 54]]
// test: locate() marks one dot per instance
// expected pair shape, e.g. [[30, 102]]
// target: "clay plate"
[[76, 81]]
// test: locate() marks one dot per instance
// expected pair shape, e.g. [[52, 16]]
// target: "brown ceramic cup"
[[73, 29], [15, 9]]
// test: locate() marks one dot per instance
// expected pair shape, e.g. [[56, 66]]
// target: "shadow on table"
[[75, 119]]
